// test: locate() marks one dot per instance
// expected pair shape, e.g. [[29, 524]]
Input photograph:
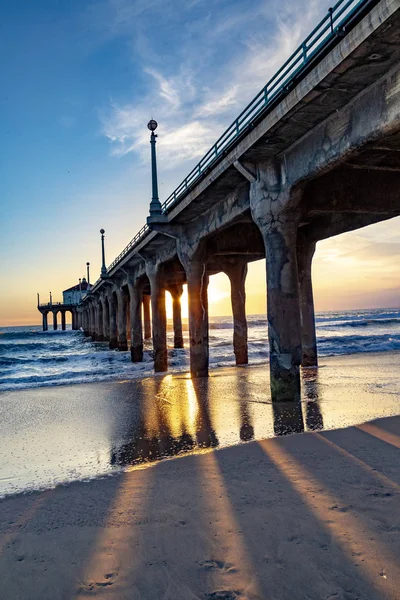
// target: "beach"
[[238, 510], [303, 516]]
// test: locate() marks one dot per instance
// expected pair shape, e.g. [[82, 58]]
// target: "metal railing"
[[50, 304], [331, 28]]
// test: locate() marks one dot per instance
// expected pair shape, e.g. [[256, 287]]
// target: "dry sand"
[[309, 516]]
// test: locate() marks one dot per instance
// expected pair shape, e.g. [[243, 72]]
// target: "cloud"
[[199, 87]]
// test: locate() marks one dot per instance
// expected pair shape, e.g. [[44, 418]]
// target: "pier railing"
[[338, 20]]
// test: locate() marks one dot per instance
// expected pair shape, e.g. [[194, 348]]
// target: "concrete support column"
[[113, 321], [159, 316], [197, 282], [86, 322], [176, 291], [44, 322], [54, 320], [135, 307], [75, 320], [106, 319], [63, 326], [121, 321], [93, 322], [146, 317], [237, 271], [305, 253], [99, 322], [275, 209]]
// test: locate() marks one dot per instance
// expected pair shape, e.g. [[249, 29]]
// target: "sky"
[[79, 82]]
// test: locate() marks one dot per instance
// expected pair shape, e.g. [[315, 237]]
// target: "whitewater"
[[31, 358]]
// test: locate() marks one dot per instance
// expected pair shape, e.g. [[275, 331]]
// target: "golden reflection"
[[246, 431], [192, 406], [311, 391], [351, 536], [381, 434]]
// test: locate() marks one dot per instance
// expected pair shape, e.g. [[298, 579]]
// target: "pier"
[[314, 155]]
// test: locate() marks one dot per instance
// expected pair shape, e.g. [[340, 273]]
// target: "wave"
[[353, 344], [363, 323]]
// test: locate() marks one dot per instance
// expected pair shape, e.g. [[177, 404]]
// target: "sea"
[[32, 358]]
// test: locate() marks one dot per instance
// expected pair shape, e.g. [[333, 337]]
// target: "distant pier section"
[[71, 298]]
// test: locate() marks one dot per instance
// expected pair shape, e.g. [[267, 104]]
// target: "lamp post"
[[103, 273], [155, 204], [51, 299], [88, 277]]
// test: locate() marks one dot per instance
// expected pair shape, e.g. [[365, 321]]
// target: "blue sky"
[[80, 80]]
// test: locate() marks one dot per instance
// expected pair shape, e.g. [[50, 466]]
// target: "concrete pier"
[[320, 160], [121, 321], [176, 294], [112, 300], [236, 269], [197, 282], [275, 209], [159, 316], [106, 318], [55, 320], [305, 253], [136, 299], [146, 317], [44, 321]]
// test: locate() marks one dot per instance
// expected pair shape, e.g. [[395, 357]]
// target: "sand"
[[306, 516]]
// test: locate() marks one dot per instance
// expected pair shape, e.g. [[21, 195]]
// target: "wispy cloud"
[[196, 98]]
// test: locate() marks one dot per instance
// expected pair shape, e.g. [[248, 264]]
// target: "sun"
[[216, 295]]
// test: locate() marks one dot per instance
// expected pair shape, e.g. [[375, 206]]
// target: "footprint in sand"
[[225, 595], [217, 565], [93, 585], [343, 595]]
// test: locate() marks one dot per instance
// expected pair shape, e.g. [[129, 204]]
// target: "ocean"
[[32, 358]]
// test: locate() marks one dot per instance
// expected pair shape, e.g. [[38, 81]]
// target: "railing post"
[[330, 11]]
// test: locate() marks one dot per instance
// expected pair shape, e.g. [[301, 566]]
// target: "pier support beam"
[[146, 317], [106, 318], [136, 297], [63, 326], [237, 271], [305, 253], [159, 316], [176, 291], [113, 321], [197, 282], [275, 209], [86, 322], [55, 320], [44, 321], [121, 321], [92, 322], [99, 322]]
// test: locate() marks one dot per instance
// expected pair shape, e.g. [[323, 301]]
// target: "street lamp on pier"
[[88, 277], [156, 213], [103, 273]]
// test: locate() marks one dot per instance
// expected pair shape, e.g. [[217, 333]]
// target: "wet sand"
[[62, 434], [312, 516]]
